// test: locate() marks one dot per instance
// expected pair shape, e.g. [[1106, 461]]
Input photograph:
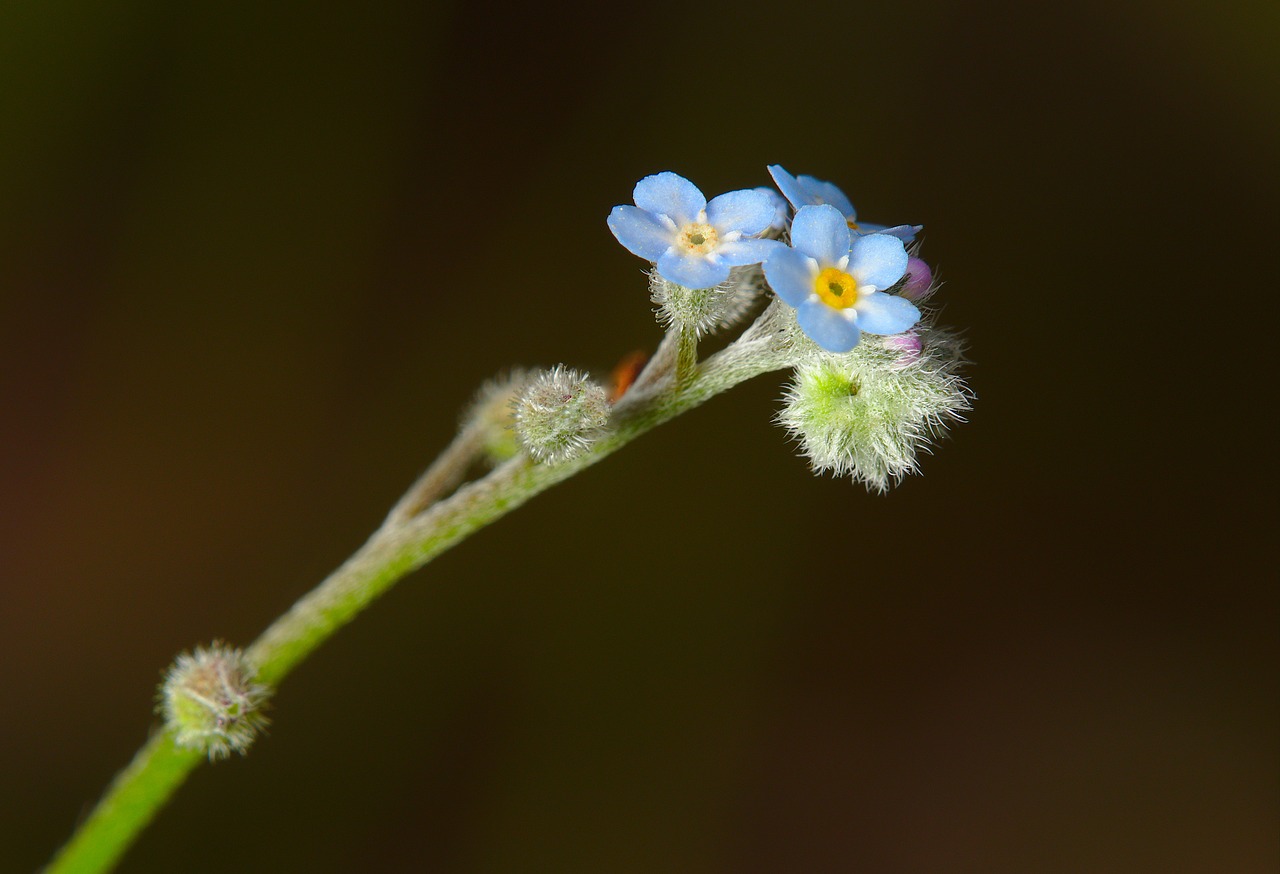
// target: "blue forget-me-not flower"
[[693, 242], [808, 191], [833, 279]]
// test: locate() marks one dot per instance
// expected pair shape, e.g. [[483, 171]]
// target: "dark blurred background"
[[254, 258]]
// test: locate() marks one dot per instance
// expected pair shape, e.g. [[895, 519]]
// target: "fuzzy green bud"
[[706, 310], [560, 414], [493, 411], [211, 702], [868, 414]]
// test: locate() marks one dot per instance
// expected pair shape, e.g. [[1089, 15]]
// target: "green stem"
[[131, 802], [404, 542], [686, 355], [444, 473]]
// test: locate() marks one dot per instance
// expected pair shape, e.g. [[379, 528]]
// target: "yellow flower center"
[[698, 238], [836, 288], [853, 226]]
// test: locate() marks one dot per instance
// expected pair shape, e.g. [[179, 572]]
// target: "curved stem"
[[412, 535], [131, 802], [444, 474]]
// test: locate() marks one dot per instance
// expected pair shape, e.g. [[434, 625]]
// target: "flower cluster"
[[835, 271], [858, 407]]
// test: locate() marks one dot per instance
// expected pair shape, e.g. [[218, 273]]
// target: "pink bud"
[[907, 345], [919, 280]]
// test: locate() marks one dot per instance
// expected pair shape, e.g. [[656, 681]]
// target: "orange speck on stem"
[[625, 373]]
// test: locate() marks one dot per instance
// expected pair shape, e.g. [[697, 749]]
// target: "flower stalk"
[[415, 533], [861, 408]]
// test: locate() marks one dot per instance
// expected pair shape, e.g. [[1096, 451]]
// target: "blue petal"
[[821, 232], [781, 211], [789, 186], [905, 233], [670, 195], [878, 260], [692, 271], [828, 327], [880, 313], [825, 192], [747, 211], [743, 252], [790, 274], [640, 232]]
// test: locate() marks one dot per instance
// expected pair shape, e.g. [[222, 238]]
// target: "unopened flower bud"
[[919, 284], [211, 702], [861, 417], [494, 411], [907, 345], [560, 414]]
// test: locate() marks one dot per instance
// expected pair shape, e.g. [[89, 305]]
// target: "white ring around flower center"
[[698, 238]]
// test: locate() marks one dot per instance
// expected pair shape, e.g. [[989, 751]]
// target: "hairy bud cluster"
[[706, 310], [869, 413], [560, 414], [211, 702], [493, 410]]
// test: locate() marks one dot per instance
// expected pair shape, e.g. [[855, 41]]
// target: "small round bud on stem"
[[869, 414], [907, 345], [560, 414], [919, 281], [211, 702], [493, 411]]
